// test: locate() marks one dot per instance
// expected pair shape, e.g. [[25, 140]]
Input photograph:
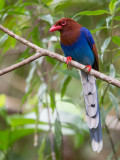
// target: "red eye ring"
[[63, 23]]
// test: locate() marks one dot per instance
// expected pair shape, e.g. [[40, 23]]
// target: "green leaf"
[[41, 149], [58, 134], [47, 18], [19, 133], [3, 39], [117, 9], [30, 76], [2, 3], [116, 55], [112, 71], [90, 13], [20, 121], [65, 83], [41, 91], [36, 36], [4, 139], [108, 19], [2, 100], [52, 99], [104, 46], [112, 5], [117, 18], [115, 103], [97, 29], [74, 73], [116, 40]]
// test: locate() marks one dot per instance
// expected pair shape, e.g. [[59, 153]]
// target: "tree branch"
[[42, 52]]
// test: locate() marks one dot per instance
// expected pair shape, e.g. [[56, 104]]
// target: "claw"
[[89, 67], [68, 60]]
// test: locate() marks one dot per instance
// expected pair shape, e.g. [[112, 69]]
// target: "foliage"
[[49, 83]]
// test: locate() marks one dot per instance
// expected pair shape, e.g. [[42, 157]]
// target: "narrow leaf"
[[108, 19], [98, 29], [3, 39], [52, 99], [47, 18], [2, 100], [89, 13], [117, 54], [116, 40], [104, 46], [65, 83], [112, 71], [115, 103], [58, 134], [41, 149], [112, 5], [117, 18], [2, 3]]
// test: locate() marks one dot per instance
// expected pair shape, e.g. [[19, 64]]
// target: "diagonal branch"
[[42, 52]]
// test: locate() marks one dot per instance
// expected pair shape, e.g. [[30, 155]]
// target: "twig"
[[111, 141], [51, 135], [106, 127], [43, 52], [49, 119]]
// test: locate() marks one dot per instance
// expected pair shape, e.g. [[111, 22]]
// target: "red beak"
[[55, 28]]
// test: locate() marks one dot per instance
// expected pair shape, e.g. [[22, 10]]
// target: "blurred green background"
[[41, 104]]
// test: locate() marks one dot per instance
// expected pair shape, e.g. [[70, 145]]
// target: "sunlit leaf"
[[2, 3], [4, 136], [117, 18], [116, 40], [19, 133], [89, 13], [98, 29], [2, 100], [112, 5]]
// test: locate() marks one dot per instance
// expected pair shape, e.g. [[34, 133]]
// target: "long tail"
[[92, 110]]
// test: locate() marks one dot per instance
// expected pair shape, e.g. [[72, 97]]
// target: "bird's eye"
[[63, 22]]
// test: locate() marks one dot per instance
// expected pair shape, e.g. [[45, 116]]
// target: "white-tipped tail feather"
[[92, 110]]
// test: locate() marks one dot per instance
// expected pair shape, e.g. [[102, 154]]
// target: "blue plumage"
[[81, 50], [77, 42]]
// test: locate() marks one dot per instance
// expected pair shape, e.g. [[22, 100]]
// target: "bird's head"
[[65, 24], [69, 30]]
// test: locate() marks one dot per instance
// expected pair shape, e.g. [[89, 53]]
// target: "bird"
[[78, 44]]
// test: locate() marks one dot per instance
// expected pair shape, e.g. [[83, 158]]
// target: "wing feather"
[[92, 45]]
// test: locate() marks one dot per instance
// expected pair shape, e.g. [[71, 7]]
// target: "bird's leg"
[[68, 60], [89, 67]]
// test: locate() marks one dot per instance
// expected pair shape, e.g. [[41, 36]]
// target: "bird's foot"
[[89, 67], [68, 60]]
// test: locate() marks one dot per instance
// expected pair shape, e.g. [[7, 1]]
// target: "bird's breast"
[[80, 51]]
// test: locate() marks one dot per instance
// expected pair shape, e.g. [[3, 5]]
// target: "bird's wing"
[[92, 45]]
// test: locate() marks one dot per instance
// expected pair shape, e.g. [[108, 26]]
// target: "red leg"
[[68, 60], [89, 67]]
